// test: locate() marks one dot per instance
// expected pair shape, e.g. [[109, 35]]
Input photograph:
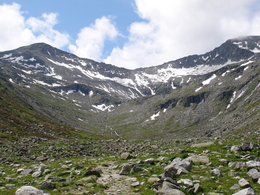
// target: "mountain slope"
[[198, 95]]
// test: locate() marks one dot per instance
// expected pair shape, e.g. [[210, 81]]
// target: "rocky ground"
[[210, 166]]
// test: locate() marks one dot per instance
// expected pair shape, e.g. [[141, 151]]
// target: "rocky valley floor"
[[210, 166]]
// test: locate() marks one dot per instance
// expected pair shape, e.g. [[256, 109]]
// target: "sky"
[[127, 33]]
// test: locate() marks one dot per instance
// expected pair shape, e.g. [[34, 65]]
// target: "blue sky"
[[127, 33]]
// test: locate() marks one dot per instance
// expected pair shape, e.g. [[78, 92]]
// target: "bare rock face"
[[30, 190]]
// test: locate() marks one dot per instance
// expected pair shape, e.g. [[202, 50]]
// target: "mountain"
[[212, 94]]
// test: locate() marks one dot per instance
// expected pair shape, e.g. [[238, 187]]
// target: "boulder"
[[126, 169], [252, 164], [198, 158], [30, 190], [235, 148], [216, 172], [125, 155], [48, 185], [243, 183], [254, 173], [247, 191], [37, 174]]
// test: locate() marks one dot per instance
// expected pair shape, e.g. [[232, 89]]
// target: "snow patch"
[[154, 116], [196, 90], [206, 82], [238, 77], [91, 93], [103, 107]]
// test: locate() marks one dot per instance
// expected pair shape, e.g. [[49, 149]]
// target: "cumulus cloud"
[[17, 31], [90, 41], [174, 29]]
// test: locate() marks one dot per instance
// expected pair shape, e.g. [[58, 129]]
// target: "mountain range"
[[213, 94]]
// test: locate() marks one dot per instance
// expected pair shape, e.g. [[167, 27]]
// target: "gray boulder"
[[243, 183], [254, 173], [30, 190], [198, 158], [247, 191], [126, 169], [216, 172]]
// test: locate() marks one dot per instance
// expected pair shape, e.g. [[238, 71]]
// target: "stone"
[[169, 171], [235, 148], [197, 187], [243, 182], [37, 174], [126, 169], [48, 185], [247, 191], [137, 168], [26, 172], [125, 155], [254, 173], [169, 185], [201, 145], [245, 146], [252, 164], [178, 162], [240, 165], [186, 182], [235, 187], [30, 190], [93, 172], [135, 184], [153, 179], [198, 158], [149, 161], [41, 158], [216, 172]]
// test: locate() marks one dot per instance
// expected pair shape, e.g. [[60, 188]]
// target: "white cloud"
[[90, 42], [17, 31], [176, 28]]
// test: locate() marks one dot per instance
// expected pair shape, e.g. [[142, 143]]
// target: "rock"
[[254, 173], [225, 161], [252, 164], [201, 145], [26, 172], [10, 185], [243, 183], [169, 189], [41, 158], [169, 171], [247, 191], [216, 172], [125, 155], [93, 172], [126, 168], [186, 182], [137, 168], [135, 184], [197, 187], [37, 174], [30, 190], [177, 162], [153, 179], [241, 166], [48, 185], [149, 161], [198, 158], [235, 187], [235, 148]]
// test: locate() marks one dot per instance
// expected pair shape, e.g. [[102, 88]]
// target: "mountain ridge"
[[179, 96]]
